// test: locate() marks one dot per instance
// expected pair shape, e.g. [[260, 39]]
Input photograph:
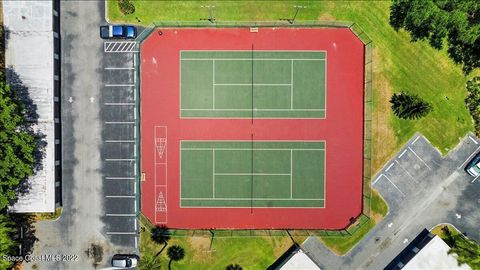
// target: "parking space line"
[[394, 185], [475, 178], [120, 196], [119, 68], [472, 139], [376, 180], [405, 170], [136, 226], [123, 233], [119, 178], [119, 141], [136, 242], [119, 159], [117, 123], [403, 153], [389, 167], [414, 141], [121, 215], [419, 157], [119, 85], [469, 157], [135, 189], [119, 104]]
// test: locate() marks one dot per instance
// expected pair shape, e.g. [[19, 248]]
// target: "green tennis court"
[[252, 174], [258, 84]]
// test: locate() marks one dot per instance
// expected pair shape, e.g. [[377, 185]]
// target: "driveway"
[[422, 189], [99, 171]]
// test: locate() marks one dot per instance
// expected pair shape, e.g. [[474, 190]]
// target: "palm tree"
[[234, 266], [175, 253], [468, 251], [149, 262], [160, 235]]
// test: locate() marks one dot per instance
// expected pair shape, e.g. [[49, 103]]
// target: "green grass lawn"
[[249, 252]]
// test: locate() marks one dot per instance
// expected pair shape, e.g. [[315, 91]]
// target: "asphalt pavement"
[[422, 189]]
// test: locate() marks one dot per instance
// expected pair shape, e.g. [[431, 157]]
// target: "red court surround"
[[342, 129]]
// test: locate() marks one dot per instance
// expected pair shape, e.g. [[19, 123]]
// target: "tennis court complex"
[[257, 84], [252, 174]]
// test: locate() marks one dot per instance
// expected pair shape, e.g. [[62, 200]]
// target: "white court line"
[[419, 157], [263, 110], [475, 178], [255, 199], [249, 84], [389, 167], [393, 184], [122, 233], [120, 215], [118, 68], [403, 153], [119, 85], [119, 178], [291, 174], [119, 141], [213, 175], [249, 59], [414, 141], [112, 123], [249, 149], [472, 139], [251, 174], [119, 104], [120, 196], [119, 159], [400, 165], [291, 85]]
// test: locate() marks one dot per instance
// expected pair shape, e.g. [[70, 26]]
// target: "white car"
[[125, 261]]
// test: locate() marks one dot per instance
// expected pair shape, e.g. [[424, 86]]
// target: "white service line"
[[469, 157], [419, 157], [472, 139]]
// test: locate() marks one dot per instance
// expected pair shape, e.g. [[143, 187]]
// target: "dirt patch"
[[327, 16], [384, 141], [201, 246], [95, 252], [280, 244]]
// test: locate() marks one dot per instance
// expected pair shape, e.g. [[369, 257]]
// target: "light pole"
[[210, 18], [297, 9]]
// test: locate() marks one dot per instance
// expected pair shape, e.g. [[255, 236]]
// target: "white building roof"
[[299, 261], [435, 256], [29, 53]]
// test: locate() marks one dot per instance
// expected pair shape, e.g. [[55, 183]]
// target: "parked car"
[[118, 31], [473, 167], [125, 261]]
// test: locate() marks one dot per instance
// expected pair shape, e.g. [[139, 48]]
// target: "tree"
[[126, 7], [456, 22], [472, 101], [467, 250], [160, 235], [234, 266], [175, 253], [7, 244], [409, 106], [149, 262], [18, 145]]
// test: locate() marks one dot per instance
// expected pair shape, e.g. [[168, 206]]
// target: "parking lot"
[[119, 142]]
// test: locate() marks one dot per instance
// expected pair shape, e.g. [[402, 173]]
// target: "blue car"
[[118, 32]]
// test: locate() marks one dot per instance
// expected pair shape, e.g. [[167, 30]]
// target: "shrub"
[[126, 7]]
